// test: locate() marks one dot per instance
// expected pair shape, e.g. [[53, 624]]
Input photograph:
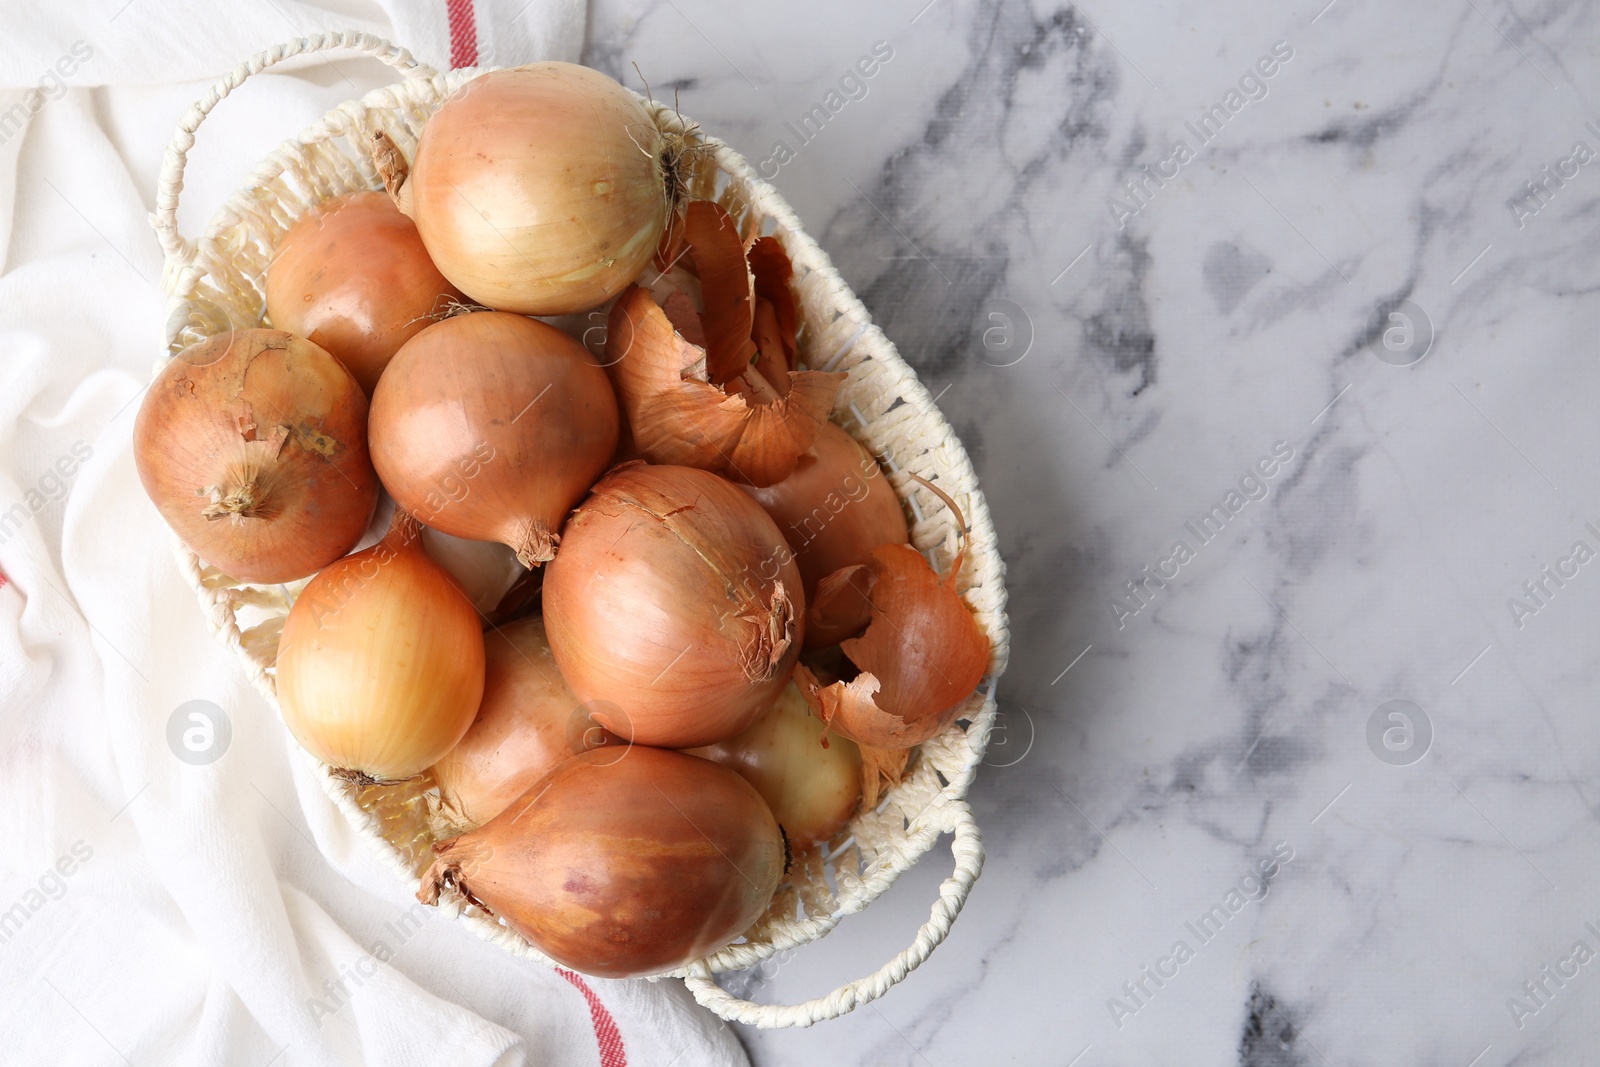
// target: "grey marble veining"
[[1280, 387]]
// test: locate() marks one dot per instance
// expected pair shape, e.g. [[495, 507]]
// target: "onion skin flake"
[[921, 656]]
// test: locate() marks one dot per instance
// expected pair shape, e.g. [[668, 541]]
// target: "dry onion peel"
[[772, 272], [676, 416], [770, 266], [921, 656], [772, 358], [725, 289], [842, 605], [881, 770]]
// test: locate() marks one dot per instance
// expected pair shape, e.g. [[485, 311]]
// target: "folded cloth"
[[175, 887]]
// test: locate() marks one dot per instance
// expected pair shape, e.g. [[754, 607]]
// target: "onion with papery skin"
[[622, 868], [253, 446], [834, 509], [492, 426], [352, 275], [542, 189], [811, 782], [380, 667], [685, 377], [528, 722], [673, 598]]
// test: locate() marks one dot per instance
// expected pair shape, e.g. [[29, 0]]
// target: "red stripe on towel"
[[463, 33], [612, 1054]]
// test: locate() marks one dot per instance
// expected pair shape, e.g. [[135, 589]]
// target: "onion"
[[352, 275], [622, 868], [253, 446], [528, 722], [685, 378], [834, 509], [921, 656], [543, 189], [811, 783], [674, 599], [380, 667], [492, 426]]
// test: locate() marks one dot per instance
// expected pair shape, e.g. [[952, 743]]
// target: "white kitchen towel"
[[175, 888]]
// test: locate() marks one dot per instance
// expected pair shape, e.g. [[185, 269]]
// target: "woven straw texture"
[[217, 283]]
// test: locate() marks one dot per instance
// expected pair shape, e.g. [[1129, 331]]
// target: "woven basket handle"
[[967, 849], [180, 251]]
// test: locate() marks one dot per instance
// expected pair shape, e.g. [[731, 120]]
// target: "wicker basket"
[[216, 284]]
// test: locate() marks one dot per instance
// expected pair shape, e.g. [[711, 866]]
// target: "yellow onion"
[[697, 389], [352, 275], [543, 189], [491, 426], [834, 509], [673, 599], [622, 868], [528, 722], [811, 782], [253, 446], [380, 667]]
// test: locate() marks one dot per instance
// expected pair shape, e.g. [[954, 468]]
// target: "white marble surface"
[[1228, 316]]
